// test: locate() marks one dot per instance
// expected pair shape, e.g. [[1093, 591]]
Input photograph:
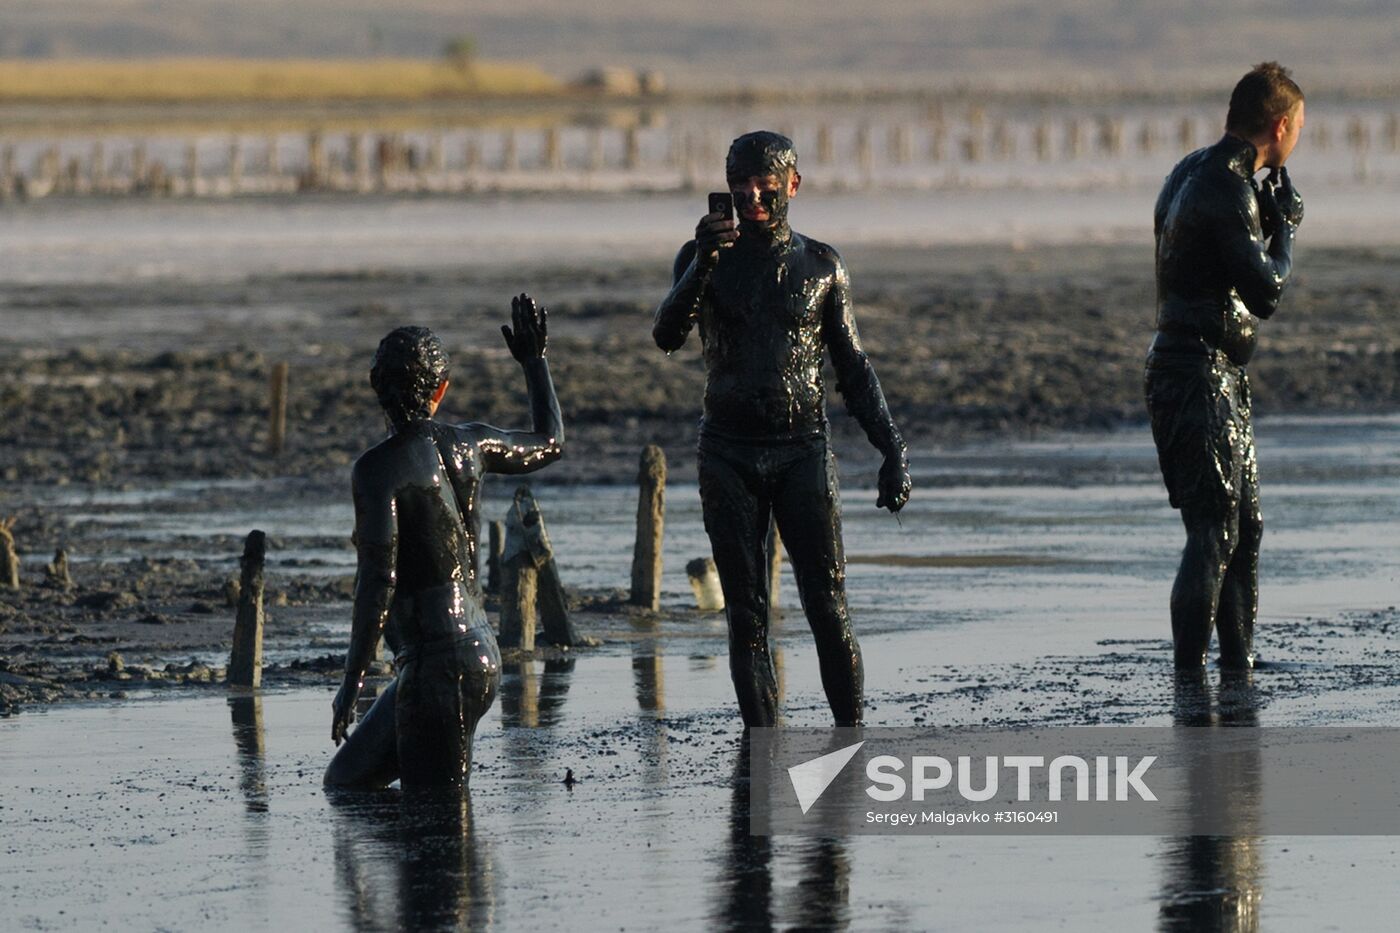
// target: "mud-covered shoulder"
[[1228, 194], [368, 471], [825, 257]]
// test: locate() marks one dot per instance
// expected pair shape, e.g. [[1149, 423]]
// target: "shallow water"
[[67, 243], [1070, 539], [205, 809], [207, 812]]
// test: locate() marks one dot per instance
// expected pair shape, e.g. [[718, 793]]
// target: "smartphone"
[[722, 202]]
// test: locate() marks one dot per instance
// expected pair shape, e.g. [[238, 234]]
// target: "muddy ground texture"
[[150, 624], [125, 382], [117, 386]]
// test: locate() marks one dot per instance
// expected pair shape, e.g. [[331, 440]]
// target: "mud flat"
[[119, 382]]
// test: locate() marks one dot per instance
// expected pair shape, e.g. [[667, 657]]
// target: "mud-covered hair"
[[1261, 97], [761, 153], [408, 367]]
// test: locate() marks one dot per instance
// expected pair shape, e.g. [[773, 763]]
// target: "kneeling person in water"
[[416, 526]]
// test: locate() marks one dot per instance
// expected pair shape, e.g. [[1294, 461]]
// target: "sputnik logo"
[[811, 778]]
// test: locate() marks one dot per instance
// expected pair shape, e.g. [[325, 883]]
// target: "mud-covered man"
[[416, 518], [770, 304], [1224, 254]]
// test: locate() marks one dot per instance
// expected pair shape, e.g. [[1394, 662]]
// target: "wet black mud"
[[122, 382]]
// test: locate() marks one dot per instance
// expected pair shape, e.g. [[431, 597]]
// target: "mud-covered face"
[[761, 201]]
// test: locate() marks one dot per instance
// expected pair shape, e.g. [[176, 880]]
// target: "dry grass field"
[[235, 80]]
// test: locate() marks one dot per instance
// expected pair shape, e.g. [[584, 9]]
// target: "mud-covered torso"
[[432, 475], [1198, 305], [761, 326]]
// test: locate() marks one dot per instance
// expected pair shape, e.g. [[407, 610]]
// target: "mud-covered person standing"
[[770, 303], [1224, 254], [417, 497]]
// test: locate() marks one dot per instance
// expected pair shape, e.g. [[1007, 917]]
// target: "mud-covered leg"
[[736, 519], [1210, 545], [441, 698], [1239, 594], [369, 758], [807, 506]]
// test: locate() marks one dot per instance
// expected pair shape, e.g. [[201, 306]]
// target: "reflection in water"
[[533, 702], [744, 898], [1215, 883], [246, 711], [649, 682], [412, 861], [648, 677], [744, 893]]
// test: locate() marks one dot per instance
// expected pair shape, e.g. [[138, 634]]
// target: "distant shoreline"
[[444, 84]]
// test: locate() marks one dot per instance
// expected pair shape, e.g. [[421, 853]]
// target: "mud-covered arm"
[[858, 385], [680, 309], [855, 377], [1258, 269], [505, 451], [524, 451], [376, 545]]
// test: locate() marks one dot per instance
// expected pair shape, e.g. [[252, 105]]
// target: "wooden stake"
[[496, 542], [9, 555], [651, 522], [277, 409], [245, 660]]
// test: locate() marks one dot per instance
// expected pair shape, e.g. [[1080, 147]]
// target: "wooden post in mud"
[[192, 168], [273, 160], [824, 147], [138, 167], [277, 409], [245, 660], [595, 150], [898, 144], [532, 580], [775, 563], [57, 573], [235, 166], [651, 523], [9, 556], [315, 175], [519, 586], [1186, 134], [509, 159], [7, 171], [97, 169], [495, 545], [865, 153], [554, 606], [519, 579], [437, 155], [551, 149]]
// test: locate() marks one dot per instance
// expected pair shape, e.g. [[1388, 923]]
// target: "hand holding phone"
[[716, 229]]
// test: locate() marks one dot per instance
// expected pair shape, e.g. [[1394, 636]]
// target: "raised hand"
[[1290, 202], [713, 233], [527, 340], [895, 483], [1279, 202]]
